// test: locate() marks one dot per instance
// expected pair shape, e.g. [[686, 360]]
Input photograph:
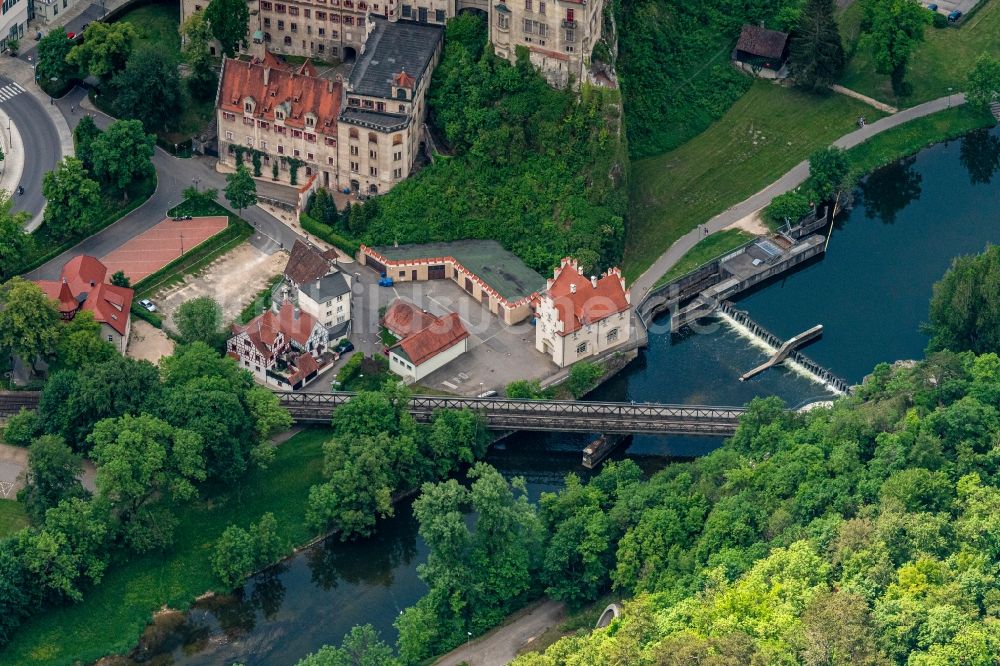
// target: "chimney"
[[329, 85], [317, 282], [572, 287], [593, 281], [295, 313], [93, 284], [267, 75]]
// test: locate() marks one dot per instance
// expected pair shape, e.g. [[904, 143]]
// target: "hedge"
[[326, 232]]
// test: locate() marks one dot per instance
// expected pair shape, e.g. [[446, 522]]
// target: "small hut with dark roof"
[[762, 51]]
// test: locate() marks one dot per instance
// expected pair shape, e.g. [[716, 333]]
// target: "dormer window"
[[310, 120], [249, 105], [279, 114]]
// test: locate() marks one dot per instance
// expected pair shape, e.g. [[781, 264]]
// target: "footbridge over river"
[[610, 418], [544, 415]]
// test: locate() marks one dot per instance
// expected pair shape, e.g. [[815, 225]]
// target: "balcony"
[[566, 23]]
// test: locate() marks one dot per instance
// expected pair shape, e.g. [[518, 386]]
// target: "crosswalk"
[[10, 90]]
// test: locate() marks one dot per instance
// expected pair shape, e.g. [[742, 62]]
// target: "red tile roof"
[[579, 301], [263, 330], [82, 286], [83, 272], [404, 80], [110, 305], [305, 365], [403, 318], [444, 333], [300, 91]]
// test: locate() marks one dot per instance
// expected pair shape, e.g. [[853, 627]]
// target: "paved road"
[[173, 176], [500, 646], [41, 144], [786, 183]]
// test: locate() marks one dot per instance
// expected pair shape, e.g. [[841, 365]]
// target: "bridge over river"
[[503, 414]]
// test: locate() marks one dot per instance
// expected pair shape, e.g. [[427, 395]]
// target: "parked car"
[[954, 16], [385, 281], [344, 346], [932, 7], [148, 304], [487, 394]]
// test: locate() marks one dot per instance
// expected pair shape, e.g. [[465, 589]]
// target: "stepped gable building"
[[82, 286], [560, 35], [287, 113], [578, 317], [382, 120]]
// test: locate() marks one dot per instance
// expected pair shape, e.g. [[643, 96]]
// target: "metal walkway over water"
[[784, 350], [544, 415], [502, 414]]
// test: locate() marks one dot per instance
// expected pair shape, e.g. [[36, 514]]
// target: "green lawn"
[[714, 246], [158, 24], [12, 517], [767, 132], [915, 135], [112, 616], [943, 59]]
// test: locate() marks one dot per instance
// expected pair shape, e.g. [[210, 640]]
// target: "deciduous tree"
[[84, 134], [29, 321], [361, 647], [201, 78], [15, 242], [52, 474], [81, 344], [53, 50], [105, 48], [119, 279], [828, 169], [228, 20], [149, 89], [141, 459], [965, 307], [73, 199], [984, 81], [241, 189], [123, 154], [200, 320], [891, 30]]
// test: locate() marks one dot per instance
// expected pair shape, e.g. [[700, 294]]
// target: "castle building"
[[560, 35], [363, 134], [381, 122], [578, 317]]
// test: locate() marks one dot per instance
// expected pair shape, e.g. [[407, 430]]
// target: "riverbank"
[[114, 613]]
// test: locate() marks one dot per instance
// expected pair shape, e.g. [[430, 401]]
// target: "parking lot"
[[232, 280], [498, 354], [948, 6]]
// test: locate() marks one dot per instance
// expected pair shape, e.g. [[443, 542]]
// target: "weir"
[[741, 320], [783, 351]]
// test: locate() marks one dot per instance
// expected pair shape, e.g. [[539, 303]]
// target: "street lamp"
[[949, 96], [196, 181], [182, 245]]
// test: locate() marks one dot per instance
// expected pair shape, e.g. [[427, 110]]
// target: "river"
[[870, 292]]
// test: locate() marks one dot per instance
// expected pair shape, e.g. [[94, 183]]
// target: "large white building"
[[579, 317], [13, 21], [432, 347]]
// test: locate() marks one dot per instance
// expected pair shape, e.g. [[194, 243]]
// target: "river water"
[[870, 292]]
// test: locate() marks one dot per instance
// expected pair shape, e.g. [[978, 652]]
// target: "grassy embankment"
[[767, 132], [12, 517], [159, 25], [878, 151], [942, 60], [113, 614]]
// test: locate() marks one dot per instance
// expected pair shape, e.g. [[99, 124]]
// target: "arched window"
[[288, 40], [397, 139], [354, 133], [400, 93], [373, 189]]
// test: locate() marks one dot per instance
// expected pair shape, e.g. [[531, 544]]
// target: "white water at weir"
[[791, 364]]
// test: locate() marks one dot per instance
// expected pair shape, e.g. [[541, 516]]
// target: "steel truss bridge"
[[544, 415], [503, 414]]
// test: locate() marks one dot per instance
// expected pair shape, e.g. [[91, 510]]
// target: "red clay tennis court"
[[154, 249]]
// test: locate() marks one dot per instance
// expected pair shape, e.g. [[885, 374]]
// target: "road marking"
[[9, 91], [449, 385]]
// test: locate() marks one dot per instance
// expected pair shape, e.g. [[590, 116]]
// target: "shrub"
[[583, 376], [788, 207], [22, 428]]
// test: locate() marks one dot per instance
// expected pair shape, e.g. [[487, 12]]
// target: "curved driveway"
[[41, 148]]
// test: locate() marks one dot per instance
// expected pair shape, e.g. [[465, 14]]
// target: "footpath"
[[788, 182], [500, 646]]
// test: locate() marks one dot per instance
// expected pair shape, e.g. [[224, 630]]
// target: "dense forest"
[[674, 66], [540, 170]]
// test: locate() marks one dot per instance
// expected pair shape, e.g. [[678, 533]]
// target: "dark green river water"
[[870, 292]]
